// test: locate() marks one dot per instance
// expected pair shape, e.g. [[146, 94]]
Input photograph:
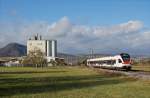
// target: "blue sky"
[[103, 12], [82, 16]]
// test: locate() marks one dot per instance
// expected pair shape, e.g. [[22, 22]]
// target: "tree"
[[35, 58], [82, 62]]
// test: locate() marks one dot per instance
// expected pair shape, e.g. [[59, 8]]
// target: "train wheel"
[[128, 68]]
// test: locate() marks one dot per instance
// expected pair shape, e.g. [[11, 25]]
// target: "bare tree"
[[35, 58]]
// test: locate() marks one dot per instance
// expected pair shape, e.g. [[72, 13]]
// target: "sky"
[[104, 26]]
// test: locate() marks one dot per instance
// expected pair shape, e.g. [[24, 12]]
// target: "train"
[[121, 61]]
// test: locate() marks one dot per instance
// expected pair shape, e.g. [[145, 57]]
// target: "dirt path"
[[132, 73]]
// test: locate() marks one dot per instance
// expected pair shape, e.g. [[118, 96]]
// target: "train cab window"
[[119, 60]]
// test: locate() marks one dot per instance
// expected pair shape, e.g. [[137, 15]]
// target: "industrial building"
[[48, 47]]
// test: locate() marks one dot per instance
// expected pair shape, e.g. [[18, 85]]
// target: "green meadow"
[[68, 82], [141, 67]]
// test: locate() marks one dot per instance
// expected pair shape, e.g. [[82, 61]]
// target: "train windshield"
[[125, 57]]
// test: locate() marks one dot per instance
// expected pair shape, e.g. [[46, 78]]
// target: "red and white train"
[[122, 61]]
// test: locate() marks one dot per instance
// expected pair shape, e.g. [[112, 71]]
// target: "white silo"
[[51, 48], [54, 48]]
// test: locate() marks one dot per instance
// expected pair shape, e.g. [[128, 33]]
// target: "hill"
[[13, 49]]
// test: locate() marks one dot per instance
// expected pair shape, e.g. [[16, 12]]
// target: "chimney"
[[37, 36], [40, 37]]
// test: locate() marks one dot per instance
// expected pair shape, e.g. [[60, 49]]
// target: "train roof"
[[105, 58]]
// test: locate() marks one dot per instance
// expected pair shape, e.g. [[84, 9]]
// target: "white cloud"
[[80, 38], [60, 28], [124, 28]]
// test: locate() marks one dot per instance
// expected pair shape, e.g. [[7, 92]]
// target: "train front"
[[126, 61]]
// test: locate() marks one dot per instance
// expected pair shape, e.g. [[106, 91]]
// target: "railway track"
[[132, 73]]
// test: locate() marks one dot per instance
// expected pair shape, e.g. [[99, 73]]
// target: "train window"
[[113, 62], [119, 60], [109, 62], [125, 57]]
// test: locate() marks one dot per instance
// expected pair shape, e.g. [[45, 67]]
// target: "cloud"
[[74, 38], [60, 28]]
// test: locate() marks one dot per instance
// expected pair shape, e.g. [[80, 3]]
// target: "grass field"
[[68, 82], [141, 67]]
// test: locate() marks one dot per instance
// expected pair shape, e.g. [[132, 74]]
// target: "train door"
[[119, 63]]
